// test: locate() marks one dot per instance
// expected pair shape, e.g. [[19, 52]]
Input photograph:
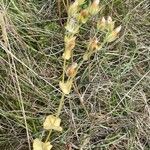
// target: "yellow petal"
[[65, 87], [94, 7], [73, 9], [47, 146], [110, 24], [69, 43], [39, 145], [83, 16], [80, 2], [67, 54], [52, 122], [113, 35], [86, 56], [101, 25], [72, 26], [71, 71], [118, 29]]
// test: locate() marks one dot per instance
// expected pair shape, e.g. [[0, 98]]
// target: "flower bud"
[[66, 87], [93, 45], [70, 42], [101, 25], [71, 71], [86, 56], [83, 16], [118, 29], [94, 7], [39, 145], [52, 122], [80, 2], [73, 9], [69, 45], [72, 26], [110, 24], [67, 54], [113, 35]]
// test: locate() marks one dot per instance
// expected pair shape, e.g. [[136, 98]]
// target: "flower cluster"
[[51, 123], [108, 26], [111, 33], [77, 15]]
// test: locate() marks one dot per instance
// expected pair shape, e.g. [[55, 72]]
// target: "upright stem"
[[61, 101], [60, 105], [64, 68], [48, 136]]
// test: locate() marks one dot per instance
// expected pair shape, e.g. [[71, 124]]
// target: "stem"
[[64, 67], [64, 5], [67, 3], [48, 136], [61, 101], [60, 105]]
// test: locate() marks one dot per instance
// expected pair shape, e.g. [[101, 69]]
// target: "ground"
[[109, 106]]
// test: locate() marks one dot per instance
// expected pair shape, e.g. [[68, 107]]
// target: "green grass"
[[110, 109]]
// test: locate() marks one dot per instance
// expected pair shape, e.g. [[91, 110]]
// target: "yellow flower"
[[101, 24], [73, 9], [113, 35], [39, 145], [93, 45], [70, 42], [94, 7], [80, 2], [83, 16], [67, 54], [71, 71], [72, 26], [66, 87], [52, 122], [69, 45], [110, 24]]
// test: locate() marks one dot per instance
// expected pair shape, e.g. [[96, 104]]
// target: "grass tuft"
[[109, 106]]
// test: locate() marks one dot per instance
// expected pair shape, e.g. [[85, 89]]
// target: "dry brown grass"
[[109, 108]]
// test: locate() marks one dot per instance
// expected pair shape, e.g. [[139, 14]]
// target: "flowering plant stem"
[[61, 101]]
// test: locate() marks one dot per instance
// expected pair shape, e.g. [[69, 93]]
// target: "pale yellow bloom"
[[66, 86], [83, 16], [67, 54], [110, 24], [71, 71], [93, 47], [113, 35], [69, 42], [118, 29], [80, 2], [73, 9], [86, 56], [72, 26], [39, 145], [109, 19], [69, 45], [94, 7], [101, 24], [52, 122]]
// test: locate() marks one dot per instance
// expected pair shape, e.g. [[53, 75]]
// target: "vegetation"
[[107, 105]]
